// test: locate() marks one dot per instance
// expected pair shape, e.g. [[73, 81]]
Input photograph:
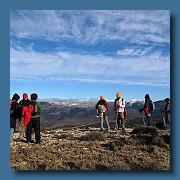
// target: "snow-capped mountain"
[[83, 112], [133, 101]]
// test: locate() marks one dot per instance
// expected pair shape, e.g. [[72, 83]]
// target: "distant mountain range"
[[76, 112]]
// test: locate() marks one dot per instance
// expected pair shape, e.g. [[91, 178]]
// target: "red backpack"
[[125, 113]]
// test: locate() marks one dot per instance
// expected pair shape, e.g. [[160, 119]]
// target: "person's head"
[[118, 94], [34, 96], [146, 96], [167, 100], [15, 97], [101, 97], [25, 96]]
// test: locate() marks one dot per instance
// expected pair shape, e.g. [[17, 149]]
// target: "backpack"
[[33, 108], [101, 108], [118, 101], [11, 101], [152, 106], [125, 113]]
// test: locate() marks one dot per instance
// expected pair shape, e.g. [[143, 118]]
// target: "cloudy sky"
[[85, 54]]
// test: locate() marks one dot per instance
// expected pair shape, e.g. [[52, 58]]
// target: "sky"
[[83, 54]]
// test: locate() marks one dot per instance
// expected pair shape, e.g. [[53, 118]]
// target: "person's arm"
[[114, 106], [107, 106], [39, 108], [97, 105]]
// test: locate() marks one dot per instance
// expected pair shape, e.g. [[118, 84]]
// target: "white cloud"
[[92, 26], [151, 70], [131, 64]]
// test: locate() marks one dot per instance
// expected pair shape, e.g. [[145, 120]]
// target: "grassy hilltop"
[[87, 148]]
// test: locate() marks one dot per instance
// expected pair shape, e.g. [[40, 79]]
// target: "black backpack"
[[33, 108]]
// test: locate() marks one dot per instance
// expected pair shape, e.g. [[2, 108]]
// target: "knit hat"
[[167, 99], [16, 97], [25, 96], [118, 94], [146, 96], [34, 96], [101, 97]]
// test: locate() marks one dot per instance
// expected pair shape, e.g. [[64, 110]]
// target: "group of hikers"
[[121, 113], [28, 113]]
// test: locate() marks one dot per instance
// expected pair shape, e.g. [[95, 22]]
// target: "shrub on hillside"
[[145, 130], [115, 145], [160, 126], [148, 139], [93, 136], [166, 138]]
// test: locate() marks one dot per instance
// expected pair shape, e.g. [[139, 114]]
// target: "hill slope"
[[87, 148], [77, 113]]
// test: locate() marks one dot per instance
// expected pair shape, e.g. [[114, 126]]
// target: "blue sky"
[[84, 54]]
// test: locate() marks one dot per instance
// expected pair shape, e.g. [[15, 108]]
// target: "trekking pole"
[[115, 127], [143, 119], [163, 118], [116, 116]]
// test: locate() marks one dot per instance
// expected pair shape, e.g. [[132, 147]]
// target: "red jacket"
[[26, 113]]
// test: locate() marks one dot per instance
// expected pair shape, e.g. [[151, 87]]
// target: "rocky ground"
[[87, 148]]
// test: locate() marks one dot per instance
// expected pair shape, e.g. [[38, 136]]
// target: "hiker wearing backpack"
[[167, 111], [35, 109], [14, 114], [102, 108], [119, 108], [24, 103], [148, 109]]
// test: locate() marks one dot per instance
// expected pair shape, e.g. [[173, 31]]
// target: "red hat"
[[25, 96]]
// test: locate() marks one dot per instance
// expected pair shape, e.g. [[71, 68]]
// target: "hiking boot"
[[123, 130], [37, 142], [29, 141]]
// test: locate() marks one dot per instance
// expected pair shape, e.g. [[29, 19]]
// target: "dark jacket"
[[148, 105], [167, 107], [15, 110], [24, 102], [102, 102]]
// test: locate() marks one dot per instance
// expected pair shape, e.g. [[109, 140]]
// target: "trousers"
[[34, 123]]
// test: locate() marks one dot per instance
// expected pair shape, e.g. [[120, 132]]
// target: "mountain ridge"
[[66, 113]]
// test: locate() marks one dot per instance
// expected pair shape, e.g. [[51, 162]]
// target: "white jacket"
[[119, 104]]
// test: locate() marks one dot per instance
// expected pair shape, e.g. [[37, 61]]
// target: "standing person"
[[148, 109], [14, 114], [119, 107], [167, 111], [102, 108], [34, 120], [24, 103]]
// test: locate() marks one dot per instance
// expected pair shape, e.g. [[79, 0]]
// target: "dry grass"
[[89, 149]]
